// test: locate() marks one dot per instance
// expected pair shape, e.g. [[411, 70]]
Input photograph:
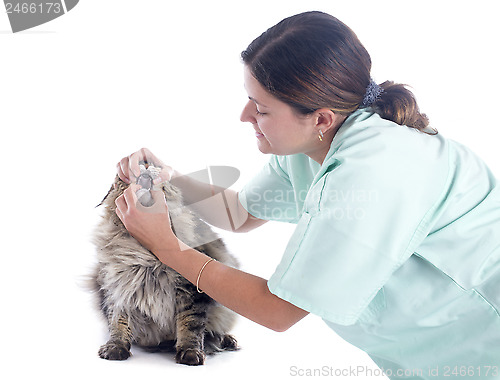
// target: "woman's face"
[[278, 129]]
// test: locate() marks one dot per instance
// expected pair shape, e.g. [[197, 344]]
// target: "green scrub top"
[[397, 246]]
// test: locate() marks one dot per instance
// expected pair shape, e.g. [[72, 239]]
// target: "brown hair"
[[312, 60]]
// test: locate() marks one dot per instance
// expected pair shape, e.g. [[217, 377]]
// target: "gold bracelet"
[[199, 274]]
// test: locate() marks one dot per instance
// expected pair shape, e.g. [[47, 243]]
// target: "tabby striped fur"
[[149, 304]]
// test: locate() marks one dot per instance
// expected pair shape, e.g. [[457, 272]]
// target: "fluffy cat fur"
[[149, 304]]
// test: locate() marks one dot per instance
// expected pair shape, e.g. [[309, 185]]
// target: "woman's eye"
[[259, 113]]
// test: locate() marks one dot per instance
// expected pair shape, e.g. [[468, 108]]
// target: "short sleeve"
[[270, 194], [362, 220]]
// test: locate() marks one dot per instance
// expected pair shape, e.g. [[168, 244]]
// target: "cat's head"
[[172, 194]]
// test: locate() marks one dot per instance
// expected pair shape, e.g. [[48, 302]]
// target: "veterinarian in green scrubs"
[[396, 247], [397, 244]]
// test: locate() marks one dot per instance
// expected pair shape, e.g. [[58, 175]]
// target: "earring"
[[320, 137]]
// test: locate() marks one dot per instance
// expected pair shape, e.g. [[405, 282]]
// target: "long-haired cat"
[[149, 304]]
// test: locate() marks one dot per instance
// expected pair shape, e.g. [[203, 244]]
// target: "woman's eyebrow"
[[257, 102]]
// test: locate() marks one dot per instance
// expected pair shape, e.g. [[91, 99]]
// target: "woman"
[[397, 244]]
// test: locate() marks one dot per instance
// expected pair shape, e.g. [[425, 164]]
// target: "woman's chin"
[[263, 145]]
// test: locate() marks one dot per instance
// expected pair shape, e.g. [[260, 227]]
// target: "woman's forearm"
[[217, 206], [246, 294]]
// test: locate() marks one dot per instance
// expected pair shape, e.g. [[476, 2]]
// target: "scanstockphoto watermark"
[[30, 13], [336, 204], [480, 371], [330, 371]]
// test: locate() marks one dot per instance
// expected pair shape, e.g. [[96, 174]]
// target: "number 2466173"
[[32, 8]]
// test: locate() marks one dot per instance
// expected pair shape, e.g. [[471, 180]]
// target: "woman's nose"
[[246, 114]]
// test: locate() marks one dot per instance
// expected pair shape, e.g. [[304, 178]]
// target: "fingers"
[[121, 207], [128, 167], [158, 195], [164, 176], [135, 159], [122, 170], [159, 203], [128, 202]]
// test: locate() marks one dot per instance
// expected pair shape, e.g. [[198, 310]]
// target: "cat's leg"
[[118, 345], [191, 319], [216, 342]]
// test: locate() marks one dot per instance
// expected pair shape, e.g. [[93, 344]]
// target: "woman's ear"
[[327, 120]]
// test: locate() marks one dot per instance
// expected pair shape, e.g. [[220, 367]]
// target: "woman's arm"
[[218, 206], [244, 293]]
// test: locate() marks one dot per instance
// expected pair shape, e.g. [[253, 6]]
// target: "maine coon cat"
[[147, 303]]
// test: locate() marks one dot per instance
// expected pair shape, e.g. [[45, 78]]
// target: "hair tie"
[[373, 92]]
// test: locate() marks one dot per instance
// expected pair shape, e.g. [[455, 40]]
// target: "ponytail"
[[398, 104]]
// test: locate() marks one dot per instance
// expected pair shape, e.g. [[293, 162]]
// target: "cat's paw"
[[114, 351], [229, 343], [190, 357]]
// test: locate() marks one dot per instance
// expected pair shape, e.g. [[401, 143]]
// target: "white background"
[[110, 77]]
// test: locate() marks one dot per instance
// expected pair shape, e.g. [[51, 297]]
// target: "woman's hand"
[[149, 225], [128, 167]]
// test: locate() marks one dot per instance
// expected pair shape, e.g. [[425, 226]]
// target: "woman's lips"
[[258, 134]]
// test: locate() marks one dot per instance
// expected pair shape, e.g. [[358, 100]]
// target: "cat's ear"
[[117, 187], [113, 186]]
